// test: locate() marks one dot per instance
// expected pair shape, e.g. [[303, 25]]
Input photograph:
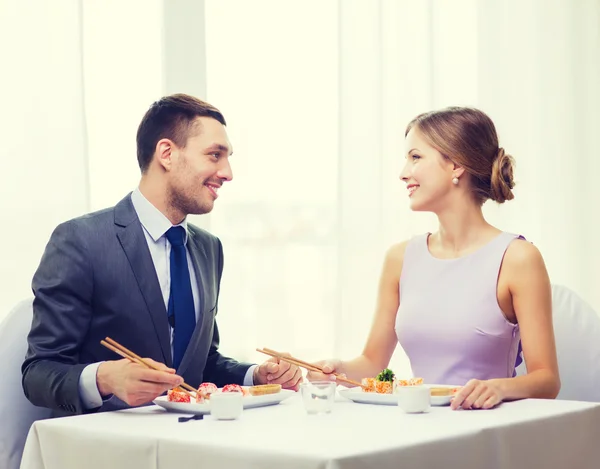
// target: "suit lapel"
[[131, 237]]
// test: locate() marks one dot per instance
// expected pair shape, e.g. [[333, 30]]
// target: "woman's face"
[[427, 174]]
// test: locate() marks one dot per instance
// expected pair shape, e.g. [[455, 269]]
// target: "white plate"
[[361, 397], [204, 408]]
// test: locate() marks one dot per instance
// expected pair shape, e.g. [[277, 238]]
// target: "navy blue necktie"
[[181, 312]]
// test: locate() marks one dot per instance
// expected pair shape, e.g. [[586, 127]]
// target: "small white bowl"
[[414, 399], [226, 405]]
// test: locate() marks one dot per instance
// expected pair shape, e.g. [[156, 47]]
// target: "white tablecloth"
[[527, 434]]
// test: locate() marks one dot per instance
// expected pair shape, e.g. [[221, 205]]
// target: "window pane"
[[277, 218]]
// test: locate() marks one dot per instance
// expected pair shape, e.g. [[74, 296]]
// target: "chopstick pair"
[[305, 365], [126, 353], [186, 388]]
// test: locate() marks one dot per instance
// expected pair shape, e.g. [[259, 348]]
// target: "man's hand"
[[135, 384], [274, 371]]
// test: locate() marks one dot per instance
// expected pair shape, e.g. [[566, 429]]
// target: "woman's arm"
[[532, 301], [382, 338], [531, 294]]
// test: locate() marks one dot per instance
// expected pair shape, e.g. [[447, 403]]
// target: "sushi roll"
[[385, 382], [409, 382], [263, 389], [204, 391], [177, 395], [233, 388], [384, 387], [368, 384]]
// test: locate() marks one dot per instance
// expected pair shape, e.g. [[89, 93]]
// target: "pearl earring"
[[455, 181]]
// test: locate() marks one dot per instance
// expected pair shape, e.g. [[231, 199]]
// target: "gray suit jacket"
[[97, 279]]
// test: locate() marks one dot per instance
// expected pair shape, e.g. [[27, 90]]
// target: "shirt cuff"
[[249, 378], [88, 387]]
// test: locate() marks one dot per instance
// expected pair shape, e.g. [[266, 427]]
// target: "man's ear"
[[164, 152]]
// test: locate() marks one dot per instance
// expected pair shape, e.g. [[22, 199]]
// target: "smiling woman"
[[462, 301]]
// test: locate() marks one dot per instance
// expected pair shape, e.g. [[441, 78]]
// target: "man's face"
[[199, 169]]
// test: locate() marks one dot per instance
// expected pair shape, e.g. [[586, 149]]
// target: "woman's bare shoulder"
[[394, 257], [521, 253], [524, 267], [396, 251]]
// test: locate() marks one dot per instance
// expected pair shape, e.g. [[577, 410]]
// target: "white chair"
[[577, 333], [16, 412]]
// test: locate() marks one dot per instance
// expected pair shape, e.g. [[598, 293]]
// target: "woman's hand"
[[329, 367], [478, 394]]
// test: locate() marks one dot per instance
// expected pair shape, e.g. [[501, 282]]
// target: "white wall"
[[43, 151]]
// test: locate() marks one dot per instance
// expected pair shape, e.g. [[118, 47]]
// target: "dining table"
[[523, 434]]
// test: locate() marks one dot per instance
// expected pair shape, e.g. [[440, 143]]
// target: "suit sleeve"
[[62, 312], [219, 369]]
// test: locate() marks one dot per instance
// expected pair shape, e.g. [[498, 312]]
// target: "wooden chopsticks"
[[186, 388], [306, 365], [126, 353]]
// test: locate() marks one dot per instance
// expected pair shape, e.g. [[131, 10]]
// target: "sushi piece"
[[204, 391], [263, 389], [409, 382], [233, 388], [444, 391], [368, 384], [385, 382], [236, 388], [177, 395], [384, 387]]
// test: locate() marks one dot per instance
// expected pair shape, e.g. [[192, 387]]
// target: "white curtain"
[[44, 177], [77, 77], [317, 95], [532, 66]]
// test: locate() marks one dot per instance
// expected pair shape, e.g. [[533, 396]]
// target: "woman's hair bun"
[[502, 181]]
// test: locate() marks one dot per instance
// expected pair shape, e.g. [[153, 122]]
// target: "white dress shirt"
[[155, 226]]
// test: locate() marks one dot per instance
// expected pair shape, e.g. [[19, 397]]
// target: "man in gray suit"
[[140, 274]]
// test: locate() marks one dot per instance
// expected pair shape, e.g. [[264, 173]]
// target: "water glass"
[[318, 396]]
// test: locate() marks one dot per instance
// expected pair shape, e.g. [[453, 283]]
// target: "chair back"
[[577, 335], [16, 412]]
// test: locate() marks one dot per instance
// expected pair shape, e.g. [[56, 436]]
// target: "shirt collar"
[[152, 219]]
